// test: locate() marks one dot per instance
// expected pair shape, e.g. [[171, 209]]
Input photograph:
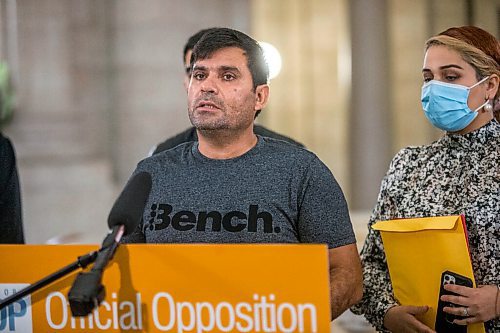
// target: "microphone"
[[87, 290], [128, 208]]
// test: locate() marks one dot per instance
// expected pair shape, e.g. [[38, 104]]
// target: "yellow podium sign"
[[175, 288]]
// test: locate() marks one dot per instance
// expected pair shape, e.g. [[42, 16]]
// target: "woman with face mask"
[[457, 174]]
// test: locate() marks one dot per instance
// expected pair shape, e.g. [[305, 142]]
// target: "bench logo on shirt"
[[162, 216]]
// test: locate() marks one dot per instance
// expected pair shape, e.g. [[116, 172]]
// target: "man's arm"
[[346, 280]]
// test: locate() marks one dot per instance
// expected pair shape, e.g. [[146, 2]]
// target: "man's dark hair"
[[219, 38], [191, 42]]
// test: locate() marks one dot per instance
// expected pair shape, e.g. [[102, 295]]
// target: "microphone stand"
[[108, 247], [87, 291], [81, 262]]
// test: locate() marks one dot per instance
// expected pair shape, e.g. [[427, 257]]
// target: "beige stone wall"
[[408, 30], [309, 98]]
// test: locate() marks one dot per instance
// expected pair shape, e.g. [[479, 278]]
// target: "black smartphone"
[[444, 321]]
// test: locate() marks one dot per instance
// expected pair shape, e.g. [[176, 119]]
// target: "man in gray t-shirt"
[[274, 193], [233, 186]]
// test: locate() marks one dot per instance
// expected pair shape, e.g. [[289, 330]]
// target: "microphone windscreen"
[[128, 208]]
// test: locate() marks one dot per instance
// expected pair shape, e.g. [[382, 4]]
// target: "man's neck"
[[225, 144]]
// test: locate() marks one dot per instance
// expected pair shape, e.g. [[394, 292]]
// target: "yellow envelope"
[[418, 251]]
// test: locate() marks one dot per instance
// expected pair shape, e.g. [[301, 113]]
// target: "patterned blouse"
[[457, 174]]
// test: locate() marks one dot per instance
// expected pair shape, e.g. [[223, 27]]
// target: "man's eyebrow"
[[229, 68], [222, 68], [199, 67]]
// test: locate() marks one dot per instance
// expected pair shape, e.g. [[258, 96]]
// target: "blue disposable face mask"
[[445, 105]]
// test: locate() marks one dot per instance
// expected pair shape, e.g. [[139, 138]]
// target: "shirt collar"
[[471, 140]]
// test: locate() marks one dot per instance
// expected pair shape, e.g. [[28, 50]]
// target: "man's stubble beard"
[[198, 121], [225, 120]]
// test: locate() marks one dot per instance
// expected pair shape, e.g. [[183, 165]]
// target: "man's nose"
[[210, 85]]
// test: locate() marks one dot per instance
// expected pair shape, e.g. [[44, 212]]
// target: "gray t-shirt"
[[275, 193]]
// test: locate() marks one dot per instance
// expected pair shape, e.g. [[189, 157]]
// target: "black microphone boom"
[[129, 206], [87, 291]]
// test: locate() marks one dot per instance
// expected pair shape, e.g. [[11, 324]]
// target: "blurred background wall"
[[99, 82]]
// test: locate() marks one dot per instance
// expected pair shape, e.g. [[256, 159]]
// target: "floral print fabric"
[[457, 174]]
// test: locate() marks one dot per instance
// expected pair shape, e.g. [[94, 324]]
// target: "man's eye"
[[198, 76], [228, 77]]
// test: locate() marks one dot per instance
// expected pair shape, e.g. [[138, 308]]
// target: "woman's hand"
[[475, 305], [401, 318]]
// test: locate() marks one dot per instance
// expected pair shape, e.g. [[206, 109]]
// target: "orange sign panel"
[[175, 288]]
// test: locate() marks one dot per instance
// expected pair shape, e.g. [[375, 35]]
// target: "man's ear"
[[261, 96]]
